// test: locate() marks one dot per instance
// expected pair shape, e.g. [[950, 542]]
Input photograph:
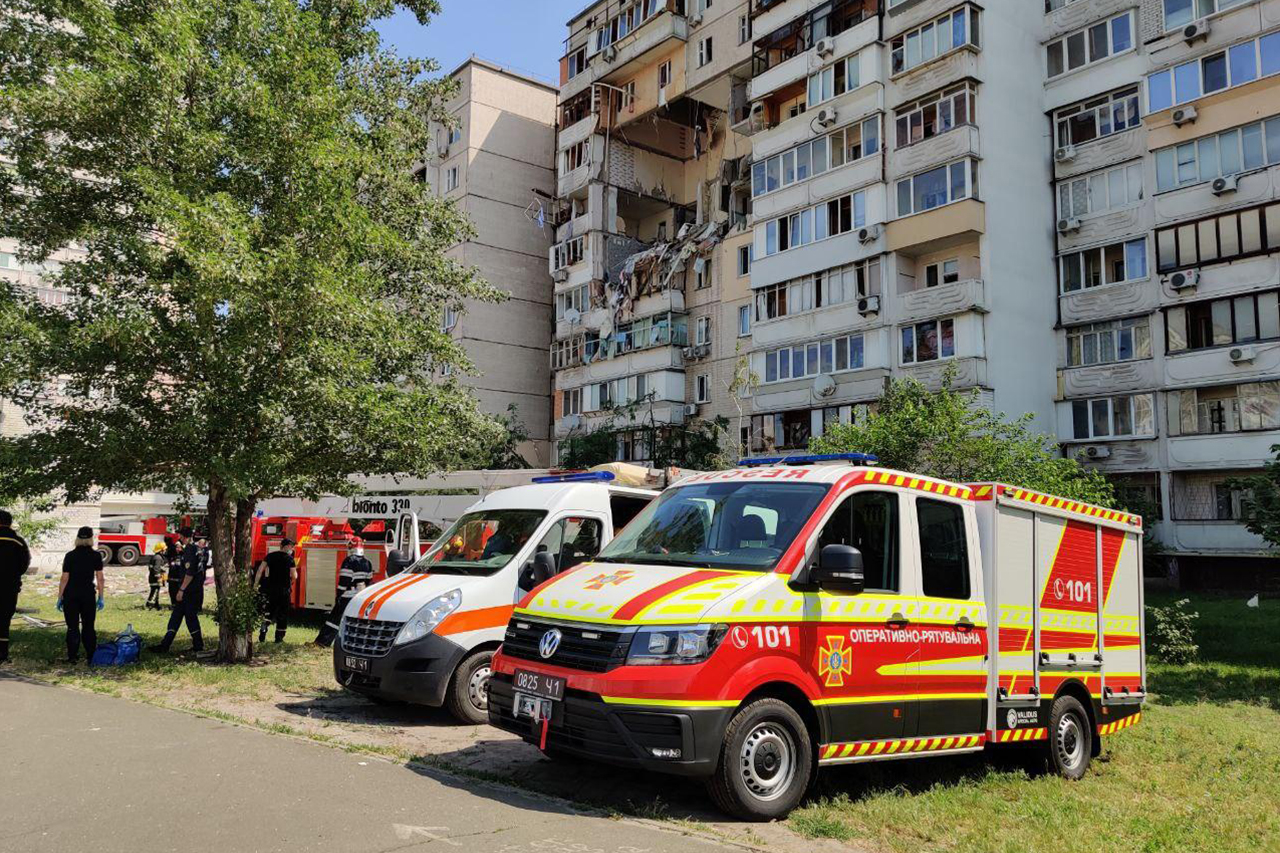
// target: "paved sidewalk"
[[86, 772]]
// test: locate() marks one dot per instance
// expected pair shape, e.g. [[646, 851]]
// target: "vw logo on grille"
[[550, 642]]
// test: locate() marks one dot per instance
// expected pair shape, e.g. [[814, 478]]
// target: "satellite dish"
[[574, 316], [823, 385]]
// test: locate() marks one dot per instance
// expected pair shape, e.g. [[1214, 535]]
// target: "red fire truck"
[[752, 625], [128, 542]]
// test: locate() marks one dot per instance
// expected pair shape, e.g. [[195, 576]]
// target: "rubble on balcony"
[[653, 270]]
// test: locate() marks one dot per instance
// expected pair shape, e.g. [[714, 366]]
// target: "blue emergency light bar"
[[580, 477], [809, 459]]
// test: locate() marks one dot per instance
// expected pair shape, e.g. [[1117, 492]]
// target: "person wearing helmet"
[[155, 575], [354, 575]]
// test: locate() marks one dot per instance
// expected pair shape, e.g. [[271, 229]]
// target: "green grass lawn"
[[1200, 772]]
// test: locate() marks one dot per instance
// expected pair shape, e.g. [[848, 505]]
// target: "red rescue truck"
[[752, 625], [128, 542]]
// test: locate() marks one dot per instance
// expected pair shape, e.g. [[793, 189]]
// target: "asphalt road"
[[80, 771]]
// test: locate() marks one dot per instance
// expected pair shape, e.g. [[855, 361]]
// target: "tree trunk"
[[234, 646], [243, 536]]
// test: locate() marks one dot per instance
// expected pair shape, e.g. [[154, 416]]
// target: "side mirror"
[[397, 562], [544, 567], [839, 569], [527, 579]]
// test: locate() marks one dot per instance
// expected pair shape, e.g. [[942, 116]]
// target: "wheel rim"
[[478, 688], [1070, 741], [768, 761]]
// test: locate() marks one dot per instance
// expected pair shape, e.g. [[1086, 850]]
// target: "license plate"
[[356, 664], [537, 684], [534, 707]]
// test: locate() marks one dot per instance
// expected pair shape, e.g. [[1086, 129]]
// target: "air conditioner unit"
[[1195, 30], [1097, 452], [1239, 354], [695, 19], [687, 352], [869, 234], [1183, 279], [560, 275], [609, 54], [1184, 115], [1068, 225], [1064, 154], [442, 150], [1222, 186], [702, 351], [826, 116], [690, 410], [869, 305], [826, 46]]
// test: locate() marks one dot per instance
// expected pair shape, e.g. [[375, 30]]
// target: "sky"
[[523, 35]]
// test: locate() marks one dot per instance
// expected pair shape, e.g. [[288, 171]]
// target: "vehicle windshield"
[[480, 543], [743, 525]]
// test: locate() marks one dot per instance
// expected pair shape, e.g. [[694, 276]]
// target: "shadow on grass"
[[1215, 682]]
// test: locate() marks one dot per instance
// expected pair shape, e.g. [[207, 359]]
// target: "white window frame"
[[943, 100], [924, 48], [744, 320], [1109, 335], [702, 332], [706, 51], [1109, 404], [1195, 154], [1118, 111], [1179, 85], [818, 291], [1102, 191], [1087, 45], [575, 156], [451, 179], [664, 75], [821, 155], [946, 271], [702, 277], [915, 329], [805, 222], [702, 388], [813, 355], [448, 319], [822, 83], [1197, 10], [571, 402], [1133, 272], [970, 167], [567, 253], [745, 256], [744, 29], [577, 298]]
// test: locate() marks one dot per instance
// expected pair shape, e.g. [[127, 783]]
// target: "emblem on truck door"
[[834, 662], [550, 642]]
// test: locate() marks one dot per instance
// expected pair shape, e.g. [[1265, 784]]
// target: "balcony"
[[655, 413], [970, 372], [1112, 300], [951, 224], [629, 54], [942, 300], [1117, 456], [1099, 380], [791, 53], [855, 386], [824, 322], [1213, 365], [935, 151], [1206, 512], [1124, 223], [1101, 153]]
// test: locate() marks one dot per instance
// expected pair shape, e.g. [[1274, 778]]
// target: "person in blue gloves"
[[78, 600]]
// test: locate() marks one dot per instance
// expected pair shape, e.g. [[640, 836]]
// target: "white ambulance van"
[[427, 635]]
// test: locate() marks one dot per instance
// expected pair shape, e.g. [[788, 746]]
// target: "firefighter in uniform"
[[81, 567], [155, 576], [189, 596], [15, 559], [354, 575], [275, 579], [173, 562]]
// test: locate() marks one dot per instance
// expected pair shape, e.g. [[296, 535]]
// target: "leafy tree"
[[258, 282], [1262, 500], [697, 444], [950, 435]]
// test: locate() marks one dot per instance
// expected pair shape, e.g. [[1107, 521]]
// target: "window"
[[1112, 341], [451, 179], [1179, 13], [942, 272], [575, 155], [664, 74], [1248, 407], [1237, 65], [455, 134], [1100, 191], [702, 332], [803, 360], [568, 253], [1241, 149], [744, 260], [834, 80], [1098, 117], [702, 388], [785, 430], [566, 353], [1092, 44], [744, 320], [1229, 503], [810, 159], [936, 187], [935, 114], [1222, 322], [1113, 417], [811, 292], [572, 541], [704, 51], [829, 219], [576, 299], [869, 522], [449, 319], [744, 29], [1110, 264], [941, 35], [1224, 237], [571, 401], [928, 341], [944, 549], [577, 61]]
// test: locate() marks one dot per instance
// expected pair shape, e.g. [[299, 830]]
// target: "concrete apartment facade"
[[1018, 192], [495, 163]]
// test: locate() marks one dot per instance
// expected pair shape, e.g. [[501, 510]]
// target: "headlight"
[[679, 644], [431, 614]]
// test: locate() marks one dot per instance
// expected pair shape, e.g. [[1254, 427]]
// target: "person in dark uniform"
[[15, 559], [190, 595], [155, 576], [173, 562], [81, 568], [354, 575], [275, 578]]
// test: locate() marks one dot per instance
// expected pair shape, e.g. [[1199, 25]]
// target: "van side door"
[[949, 619]]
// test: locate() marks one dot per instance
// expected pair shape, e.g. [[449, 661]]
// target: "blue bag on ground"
[[124, 650]]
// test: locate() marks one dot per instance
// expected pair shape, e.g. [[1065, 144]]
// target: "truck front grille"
[[591, 648], [369, 637]]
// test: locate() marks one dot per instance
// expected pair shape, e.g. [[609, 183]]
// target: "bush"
[[238, 606], [1171, 632]]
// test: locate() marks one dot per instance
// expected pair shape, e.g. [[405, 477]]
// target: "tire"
[[1070, 738], [467, 698], [128, 555], [766, 762], [108, 556]]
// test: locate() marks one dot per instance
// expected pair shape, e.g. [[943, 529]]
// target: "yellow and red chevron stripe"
[[1111, 728], [1074, 506], [854, 750], [920, 484], [1018, 735]]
